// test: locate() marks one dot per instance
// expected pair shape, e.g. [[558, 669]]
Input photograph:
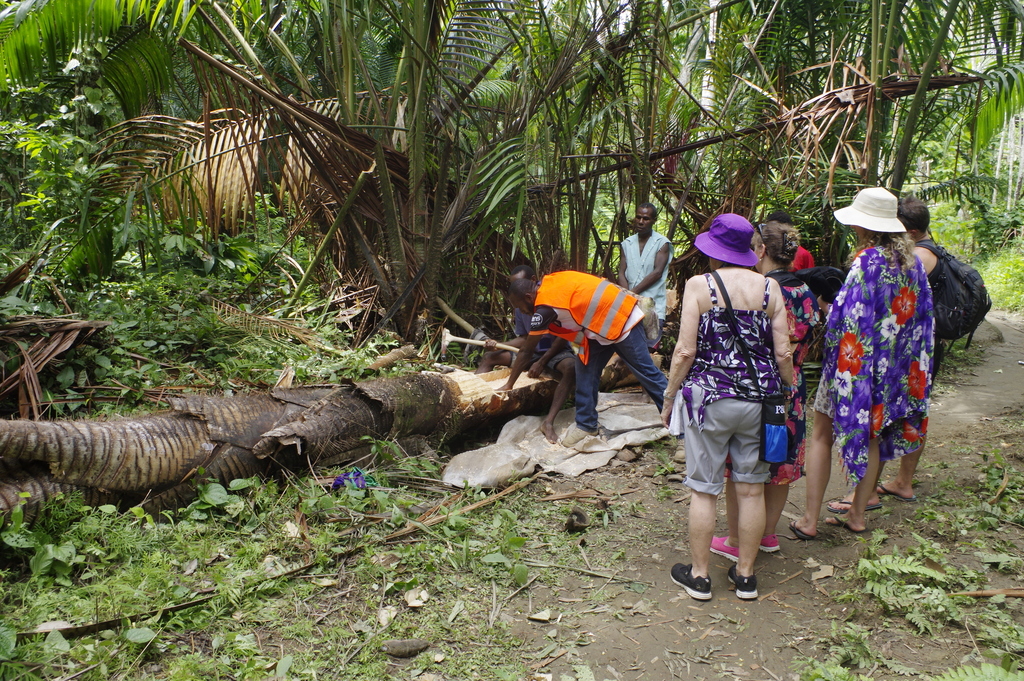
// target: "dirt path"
[[646, 628]]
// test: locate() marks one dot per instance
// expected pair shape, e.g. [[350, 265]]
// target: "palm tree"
[[411, 131]]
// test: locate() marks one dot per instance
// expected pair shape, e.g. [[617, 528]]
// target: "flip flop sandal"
[[839, 522], [802, 536], [899, 497], [847, 504]]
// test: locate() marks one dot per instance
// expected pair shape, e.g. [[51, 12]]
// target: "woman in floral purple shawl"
[[876, 374]]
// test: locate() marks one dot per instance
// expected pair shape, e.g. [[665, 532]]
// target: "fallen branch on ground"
[[538, 564], [118, 622], [414, 526], [1002, 487], [544, 663], [985, 593]]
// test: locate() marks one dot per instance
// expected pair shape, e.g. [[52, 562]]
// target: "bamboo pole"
[[899, 172], [455, 317]]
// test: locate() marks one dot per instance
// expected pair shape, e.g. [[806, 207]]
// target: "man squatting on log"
[[602, 319], [551, 352]]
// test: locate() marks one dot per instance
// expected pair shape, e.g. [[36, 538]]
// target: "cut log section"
[[151, 460]]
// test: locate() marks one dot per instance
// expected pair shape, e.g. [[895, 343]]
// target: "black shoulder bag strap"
[[734, 325], [773, 407]]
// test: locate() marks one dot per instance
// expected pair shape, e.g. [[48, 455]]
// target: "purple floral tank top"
[[720, 367]]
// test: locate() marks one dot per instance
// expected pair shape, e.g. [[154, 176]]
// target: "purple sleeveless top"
[[720, 367]]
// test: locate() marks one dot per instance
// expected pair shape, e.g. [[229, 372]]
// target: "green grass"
[[239, 546]]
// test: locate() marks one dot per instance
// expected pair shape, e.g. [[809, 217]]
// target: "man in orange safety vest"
[[602, 319]]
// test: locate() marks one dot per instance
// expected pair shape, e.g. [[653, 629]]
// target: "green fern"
[[899, 567], [999, 630], [828, 671], [920, 620], [850, 646], [905, 586], [987, 672]]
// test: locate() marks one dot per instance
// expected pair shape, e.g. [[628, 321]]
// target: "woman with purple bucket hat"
[[715, 390]]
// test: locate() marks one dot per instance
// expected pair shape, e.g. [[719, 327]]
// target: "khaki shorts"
[[731, 428]]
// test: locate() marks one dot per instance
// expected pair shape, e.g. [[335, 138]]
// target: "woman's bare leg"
[[774, 503], [865, 489], [702, 528], [732, 513], [750, 507], [818, 468]]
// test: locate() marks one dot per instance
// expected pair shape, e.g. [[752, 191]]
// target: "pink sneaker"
[[718, 546], [770, 543]]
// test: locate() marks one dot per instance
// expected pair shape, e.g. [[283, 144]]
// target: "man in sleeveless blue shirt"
[[643, 265]]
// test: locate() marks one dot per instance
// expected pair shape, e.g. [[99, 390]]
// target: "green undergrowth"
[[1003, 273], [170, 333], [974, 544], [959, 358], [285, 578]]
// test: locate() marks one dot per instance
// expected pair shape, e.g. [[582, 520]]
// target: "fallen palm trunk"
[[152, 460], [146, 460], [417, 404]]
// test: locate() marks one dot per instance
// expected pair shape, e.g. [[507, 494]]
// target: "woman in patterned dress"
[[876, 372], [775, 244]]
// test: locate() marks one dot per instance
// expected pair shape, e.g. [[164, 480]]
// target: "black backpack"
[[960, 298]]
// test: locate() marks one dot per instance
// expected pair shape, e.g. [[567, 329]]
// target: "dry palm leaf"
[[259, 325], [851, 98], [39, 341], [15, 277]]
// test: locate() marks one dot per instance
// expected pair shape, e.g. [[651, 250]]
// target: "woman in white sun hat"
[[876, 371]]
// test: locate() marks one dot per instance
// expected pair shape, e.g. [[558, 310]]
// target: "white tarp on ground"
[[627, 418]]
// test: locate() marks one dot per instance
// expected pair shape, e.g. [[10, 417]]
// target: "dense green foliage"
[[170, 329], [1003, 272], [509, 131]]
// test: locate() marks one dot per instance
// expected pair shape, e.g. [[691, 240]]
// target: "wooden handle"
[[448, 338]]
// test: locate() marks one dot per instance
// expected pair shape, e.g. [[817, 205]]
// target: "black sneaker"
[[746, 587], [697, 587]]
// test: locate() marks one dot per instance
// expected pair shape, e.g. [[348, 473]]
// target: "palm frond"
[[39, 37], [958, 188], [137, 69], [474, 41], [1005, 98], [211, 168], [260, 325]]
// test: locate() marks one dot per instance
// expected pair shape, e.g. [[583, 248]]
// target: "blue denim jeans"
[[633, 350]]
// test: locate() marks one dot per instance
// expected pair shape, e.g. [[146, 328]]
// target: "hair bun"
[[789, 244]]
